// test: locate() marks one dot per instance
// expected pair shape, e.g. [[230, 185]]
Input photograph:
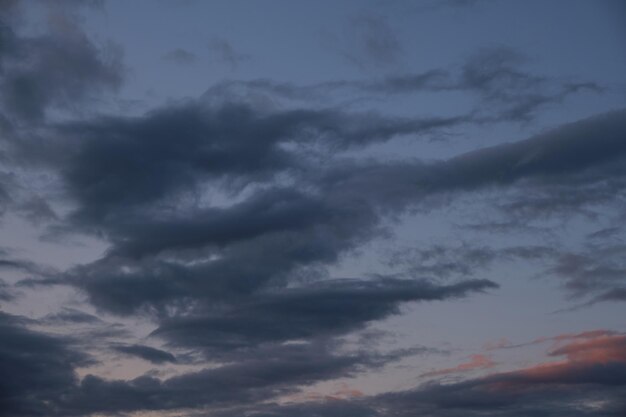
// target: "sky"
[[358, 208]]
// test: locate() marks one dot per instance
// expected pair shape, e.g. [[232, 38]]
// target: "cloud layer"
[[240, 273]]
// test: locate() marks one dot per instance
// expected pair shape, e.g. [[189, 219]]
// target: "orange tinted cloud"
[[346, 392], [475, 362], [601, 349], [343, 393], [592, 334], [504, 343], [592, 359]]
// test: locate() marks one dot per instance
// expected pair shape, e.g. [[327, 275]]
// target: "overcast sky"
[[320, 209]]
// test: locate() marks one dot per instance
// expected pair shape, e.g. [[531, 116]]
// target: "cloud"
[[591, 381], [463, 260], [593, 366], [41, 368], [277, 232], [170, 168], [502, 88], [427, 6], [150, 354], [180, 56], [592, 358], [235, 142], [614, 294], [9, 262], [70, 316], [598, 272], [6, 291], [226, 214], [497, 77], [371, 42], [568, 337], [222, 51], [56, 69], [318, 311], [475, 362], [277, 372]]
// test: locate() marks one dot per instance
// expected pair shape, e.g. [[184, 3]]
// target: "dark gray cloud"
[[273, 211], [277, 372], [597, 274], [175, 149], [58, 68], [6, 198], [9, 262], [568, 150], [317, 311], [222, 51], [590, 382], [593, 372], [464, 260], [458, 400], [256, 379], [504, 89], [295, 230], [581, 195], [6, 291], [181, 56], [274, 232], [150, 354], [225, 214], [71, 316], [41, 369], [612, 294], [497, 76], [167, 170]]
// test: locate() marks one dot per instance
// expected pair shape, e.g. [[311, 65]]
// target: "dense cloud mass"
[[593, 371], [333, 308], [320, 246], [276, 231], [147, 353], [36, 368]]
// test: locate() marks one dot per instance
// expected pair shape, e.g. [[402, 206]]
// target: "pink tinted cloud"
[[589, 357], [344, 392], [475, 362], [504, 343], [601, 349]]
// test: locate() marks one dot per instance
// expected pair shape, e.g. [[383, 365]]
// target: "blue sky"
[[356, 208]]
